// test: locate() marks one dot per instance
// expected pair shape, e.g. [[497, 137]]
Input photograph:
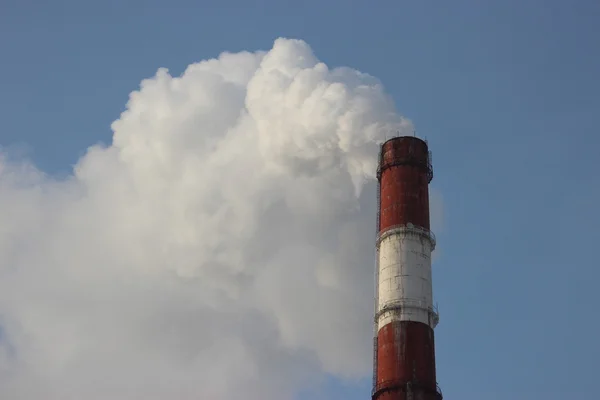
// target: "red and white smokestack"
[[404, 355]]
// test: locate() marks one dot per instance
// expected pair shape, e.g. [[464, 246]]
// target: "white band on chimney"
[[404, 278]]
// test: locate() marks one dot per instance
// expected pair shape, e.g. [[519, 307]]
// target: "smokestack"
[[404, 353]]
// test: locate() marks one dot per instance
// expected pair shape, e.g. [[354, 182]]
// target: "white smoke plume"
[[222, 245]]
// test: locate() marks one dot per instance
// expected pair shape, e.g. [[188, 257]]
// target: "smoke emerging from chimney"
[[221, 245]]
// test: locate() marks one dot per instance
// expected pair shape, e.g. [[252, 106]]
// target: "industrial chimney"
[[404, 351]]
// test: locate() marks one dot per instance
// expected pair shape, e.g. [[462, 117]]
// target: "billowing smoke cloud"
[[222, 246]]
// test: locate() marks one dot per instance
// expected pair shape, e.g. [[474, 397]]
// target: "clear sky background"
[[506, 92]]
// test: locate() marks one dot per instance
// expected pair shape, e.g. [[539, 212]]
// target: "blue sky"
[[507, 94]]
